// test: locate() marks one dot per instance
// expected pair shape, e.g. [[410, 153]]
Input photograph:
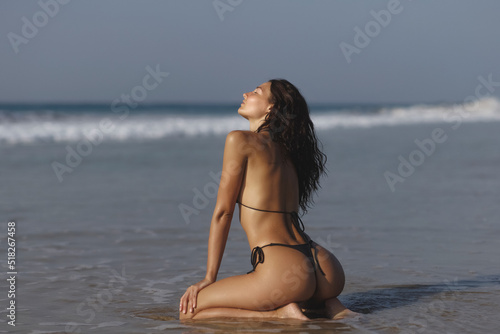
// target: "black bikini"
[[258, 254]]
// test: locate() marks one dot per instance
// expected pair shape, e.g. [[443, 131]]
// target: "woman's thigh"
[[285, 276]]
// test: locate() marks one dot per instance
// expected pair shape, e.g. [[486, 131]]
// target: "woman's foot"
[[336, 311], [291, 311]]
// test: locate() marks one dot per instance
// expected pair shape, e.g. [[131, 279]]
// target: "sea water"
[[410, 206]]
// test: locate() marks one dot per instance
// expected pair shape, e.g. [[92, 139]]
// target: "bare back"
[[269, 183]]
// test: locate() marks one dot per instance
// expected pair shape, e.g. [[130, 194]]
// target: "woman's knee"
[[186, 316], [189, 315]]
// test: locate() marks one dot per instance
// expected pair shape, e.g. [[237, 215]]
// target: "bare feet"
[[291, 311], [336, 311]]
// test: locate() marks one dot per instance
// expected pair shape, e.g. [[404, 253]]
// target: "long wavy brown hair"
[[290, 125]]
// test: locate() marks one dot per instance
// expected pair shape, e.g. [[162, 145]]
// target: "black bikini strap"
[[246, 206], [299, 224], [257, 257], [258, 254], [311, 244]]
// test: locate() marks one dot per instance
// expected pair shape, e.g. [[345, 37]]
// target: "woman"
[[270, 171]]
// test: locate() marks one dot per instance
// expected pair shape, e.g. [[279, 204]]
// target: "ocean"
[[104, 243]]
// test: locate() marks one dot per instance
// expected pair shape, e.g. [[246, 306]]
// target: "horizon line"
[[82, 104]]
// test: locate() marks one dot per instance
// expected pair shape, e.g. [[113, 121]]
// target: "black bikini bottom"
[[258, 254]]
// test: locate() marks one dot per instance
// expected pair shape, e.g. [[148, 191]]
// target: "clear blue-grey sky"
[[94, 50]]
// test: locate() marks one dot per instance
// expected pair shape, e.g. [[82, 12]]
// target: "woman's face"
[[256, 103]]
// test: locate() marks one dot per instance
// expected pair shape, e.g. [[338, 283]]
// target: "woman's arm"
[[232, 174], [233, 167]]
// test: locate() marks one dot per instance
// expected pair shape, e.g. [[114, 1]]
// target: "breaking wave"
[[35, 125]]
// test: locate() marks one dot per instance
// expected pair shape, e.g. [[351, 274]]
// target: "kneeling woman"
[[270, 171]]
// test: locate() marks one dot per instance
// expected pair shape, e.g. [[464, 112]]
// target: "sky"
[[390, 51]]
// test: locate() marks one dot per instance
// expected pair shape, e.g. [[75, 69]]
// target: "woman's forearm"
[[219, 230]]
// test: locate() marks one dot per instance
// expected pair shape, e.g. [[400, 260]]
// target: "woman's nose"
[[244, 95]]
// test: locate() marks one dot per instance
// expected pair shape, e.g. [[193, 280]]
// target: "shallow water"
[[108, 251]]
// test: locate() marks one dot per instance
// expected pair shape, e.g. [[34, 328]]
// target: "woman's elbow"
[[223, 215]]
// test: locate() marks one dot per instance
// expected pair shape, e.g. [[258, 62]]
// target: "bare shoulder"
[[239, 134], [247, 143], [239, 137]]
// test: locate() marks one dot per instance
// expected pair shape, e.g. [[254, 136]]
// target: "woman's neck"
[[256, 123]]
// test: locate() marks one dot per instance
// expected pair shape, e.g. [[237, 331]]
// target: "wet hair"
[[289, 124]]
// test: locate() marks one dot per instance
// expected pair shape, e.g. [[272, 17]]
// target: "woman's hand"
[[191, 294]]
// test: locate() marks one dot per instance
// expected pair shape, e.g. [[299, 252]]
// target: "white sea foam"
[[26, 127], [487, 109]]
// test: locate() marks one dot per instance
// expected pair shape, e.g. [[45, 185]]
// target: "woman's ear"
[[269, 108]]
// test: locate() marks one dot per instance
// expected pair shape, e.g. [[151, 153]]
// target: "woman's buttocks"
[[289, 272]]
